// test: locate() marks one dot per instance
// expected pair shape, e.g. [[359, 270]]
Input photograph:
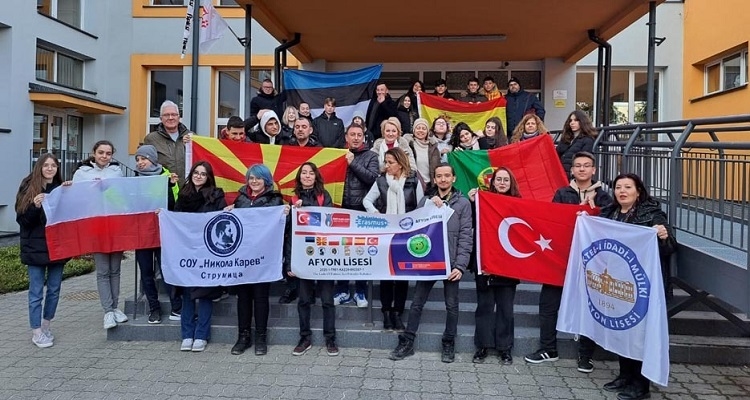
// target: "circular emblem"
[[360, 250], [223, 234], [372, 250], [617, 286], [309, 250], [406, 223], [484, 177], [419, 245]]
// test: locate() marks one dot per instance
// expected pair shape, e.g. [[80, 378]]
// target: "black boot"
[[404, 349], [261, 346], [387, 322], [290, 294], [243, 343], [449, 351], [398, 325]]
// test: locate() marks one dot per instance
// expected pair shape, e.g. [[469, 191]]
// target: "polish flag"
[[104, 216]]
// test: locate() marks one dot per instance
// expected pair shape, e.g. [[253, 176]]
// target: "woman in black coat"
[[632, 204], [578, 135], [199, 195], [44, 177]]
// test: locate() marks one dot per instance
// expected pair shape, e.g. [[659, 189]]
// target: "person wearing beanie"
[[520, 103], [425, 150]]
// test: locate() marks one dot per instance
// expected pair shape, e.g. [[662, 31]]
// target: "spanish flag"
[[474, 114], [230, 161]]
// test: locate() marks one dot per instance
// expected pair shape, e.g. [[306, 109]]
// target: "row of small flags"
[[344, 241]]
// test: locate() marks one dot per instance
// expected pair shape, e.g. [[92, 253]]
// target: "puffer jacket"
[[566, 151], [460, 231], [171, 154], [32, 238], [328, 130], [269, 198], [89, 171], [361, 174]]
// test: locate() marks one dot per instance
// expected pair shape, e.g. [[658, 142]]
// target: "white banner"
[[614, 293], [186, 32], [222, 248], [333, 243]]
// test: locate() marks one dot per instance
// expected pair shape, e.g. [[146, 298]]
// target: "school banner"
[[338, 244], [613, 293], [222, 248]]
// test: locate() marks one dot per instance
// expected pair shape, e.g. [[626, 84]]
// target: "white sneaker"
[[187, 345], [42, 341], [47, 331], [109, 320], [120, 316], [341, 298], [360, 299], [199, 345]]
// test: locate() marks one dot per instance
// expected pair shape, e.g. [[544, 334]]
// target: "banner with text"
[[333, 244], [222, 248]]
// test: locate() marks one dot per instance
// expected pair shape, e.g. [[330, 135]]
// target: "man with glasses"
[[585, 191], [265, 100], [169, 139]]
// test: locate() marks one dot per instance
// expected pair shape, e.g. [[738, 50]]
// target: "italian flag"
[[104, 216], [474, 114], [534, 163]]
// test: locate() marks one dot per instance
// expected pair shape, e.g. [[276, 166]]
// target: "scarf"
[[422, 156], [155, 169], [474, 145], [395, 201], [444, 144], [383, 148], [529, 136]]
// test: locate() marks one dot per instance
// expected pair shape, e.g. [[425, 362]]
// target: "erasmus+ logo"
[[223, 234], [363, 221], [618, 288]]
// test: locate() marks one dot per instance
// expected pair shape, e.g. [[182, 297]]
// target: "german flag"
[[230, 161], [474, 114]]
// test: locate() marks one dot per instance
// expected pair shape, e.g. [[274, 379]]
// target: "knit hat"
[[420, 121], [148, 152], [514, 79]]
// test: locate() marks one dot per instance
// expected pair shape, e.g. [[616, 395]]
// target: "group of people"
[[398, 173]]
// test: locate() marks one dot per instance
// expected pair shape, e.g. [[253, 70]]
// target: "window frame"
[[54, 13], [660, 99], [55, 64], [154, 121], [742, 55], [219, 123]]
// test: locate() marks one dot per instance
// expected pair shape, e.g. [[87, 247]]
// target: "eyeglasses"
[[197, 173], [171, 115], [583, 165]]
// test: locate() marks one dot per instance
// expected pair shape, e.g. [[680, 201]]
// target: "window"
[[727, 73], [60, 68], [628, 95], [165, 85], [585, 93], [399, 81], [67, 11], [231, 93]]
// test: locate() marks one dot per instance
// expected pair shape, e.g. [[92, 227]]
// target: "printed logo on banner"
[[347, 251], [364, 221], [419, 245], [223, 234], [617, 286], [406, 223], [372, 250], [360, 251], [310, 251], [308, 218], [338, 220]]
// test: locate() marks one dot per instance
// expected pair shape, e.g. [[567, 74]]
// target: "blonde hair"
[[284, 117], [393, 121]]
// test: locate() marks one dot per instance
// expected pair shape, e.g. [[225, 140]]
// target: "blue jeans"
[[190, 327], [54, 274]]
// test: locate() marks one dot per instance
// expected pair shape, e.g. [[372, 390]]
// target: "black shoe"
[[634, 392], [404, 349], [506, 358], [616, 385], [585, 365], [154, 317], [480, 356], [243, 343], [449, 352], [541, 356], [398, 325], [289, 296], [261, 346], [387, 323], [302, 347], [331, 348]]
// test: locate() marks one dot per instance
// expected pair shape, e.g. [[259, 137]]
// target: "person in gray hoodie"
[[268, 130]]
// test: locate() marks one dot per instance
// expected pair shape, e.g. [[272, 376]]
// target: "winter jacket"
[[460, 231], [410, 193], [32, 238], [433, 155], [516, 106], [360, 175], [89, 171], [200, 202], [258, 135], [473, 98], [328, 130], [446, 95], [311, 142], [406, 118], [263, 102], [573, 195], [269, 198], [379, 112], [171, 153], [566, 151], [309, 199], [403, 144]]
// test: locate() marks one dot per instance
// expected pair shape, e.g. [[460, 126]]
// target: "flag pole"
[[194, 70]]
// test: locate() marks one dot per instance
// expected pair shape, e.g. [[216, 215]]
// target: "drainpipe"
[[278, 65], [604, 81]]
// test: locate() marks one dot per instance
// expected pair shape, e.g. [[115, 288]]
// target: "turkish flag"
[[523, 238]]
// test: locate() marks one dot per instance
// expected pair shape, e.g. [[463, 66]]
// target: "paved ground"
[[84, 365]]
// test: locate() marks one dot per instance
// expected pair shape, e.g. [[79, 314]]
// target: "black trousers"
[[421, 292], [393, 295], [631, 370], [549, 306], [494, 326], [253, 299], [307, 289]]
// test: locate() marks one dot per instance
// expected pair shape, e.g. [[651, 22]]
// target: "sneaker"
[[449, 352], [199, 345], [341, 298], [404, 349], [331, 348], [541, 356], [585, 365], [47, 331], [174, 316], [120, 316], [506, 358], [289, 296], [154, 317], [187, 345], [302, 347], [42, 341], [480, 356], [109, 320], [360, 299]]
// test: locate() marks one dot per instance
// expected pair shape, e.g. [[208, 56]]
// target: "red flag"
[[523, 238]]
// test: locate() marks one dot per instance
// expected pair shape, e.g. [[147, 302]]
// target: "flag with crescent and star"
[[523, 238]]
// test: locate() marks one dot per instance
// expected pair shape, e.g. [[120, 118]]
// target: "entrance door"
[[58, 133]]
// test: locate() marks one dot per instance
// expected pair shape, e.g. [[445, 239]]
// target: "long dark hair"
[[513, 190], [586, 127], [92, 158], [639, 186], [456, 136], [318, 187], [34, 184], [207, 187]]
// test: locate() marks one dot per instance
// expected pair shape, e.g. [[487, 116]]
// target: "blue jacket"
[[517, 105]]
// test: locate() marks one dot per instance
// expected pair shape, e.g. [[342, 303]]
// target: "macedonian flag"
[[474, 114], [230, 161]]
